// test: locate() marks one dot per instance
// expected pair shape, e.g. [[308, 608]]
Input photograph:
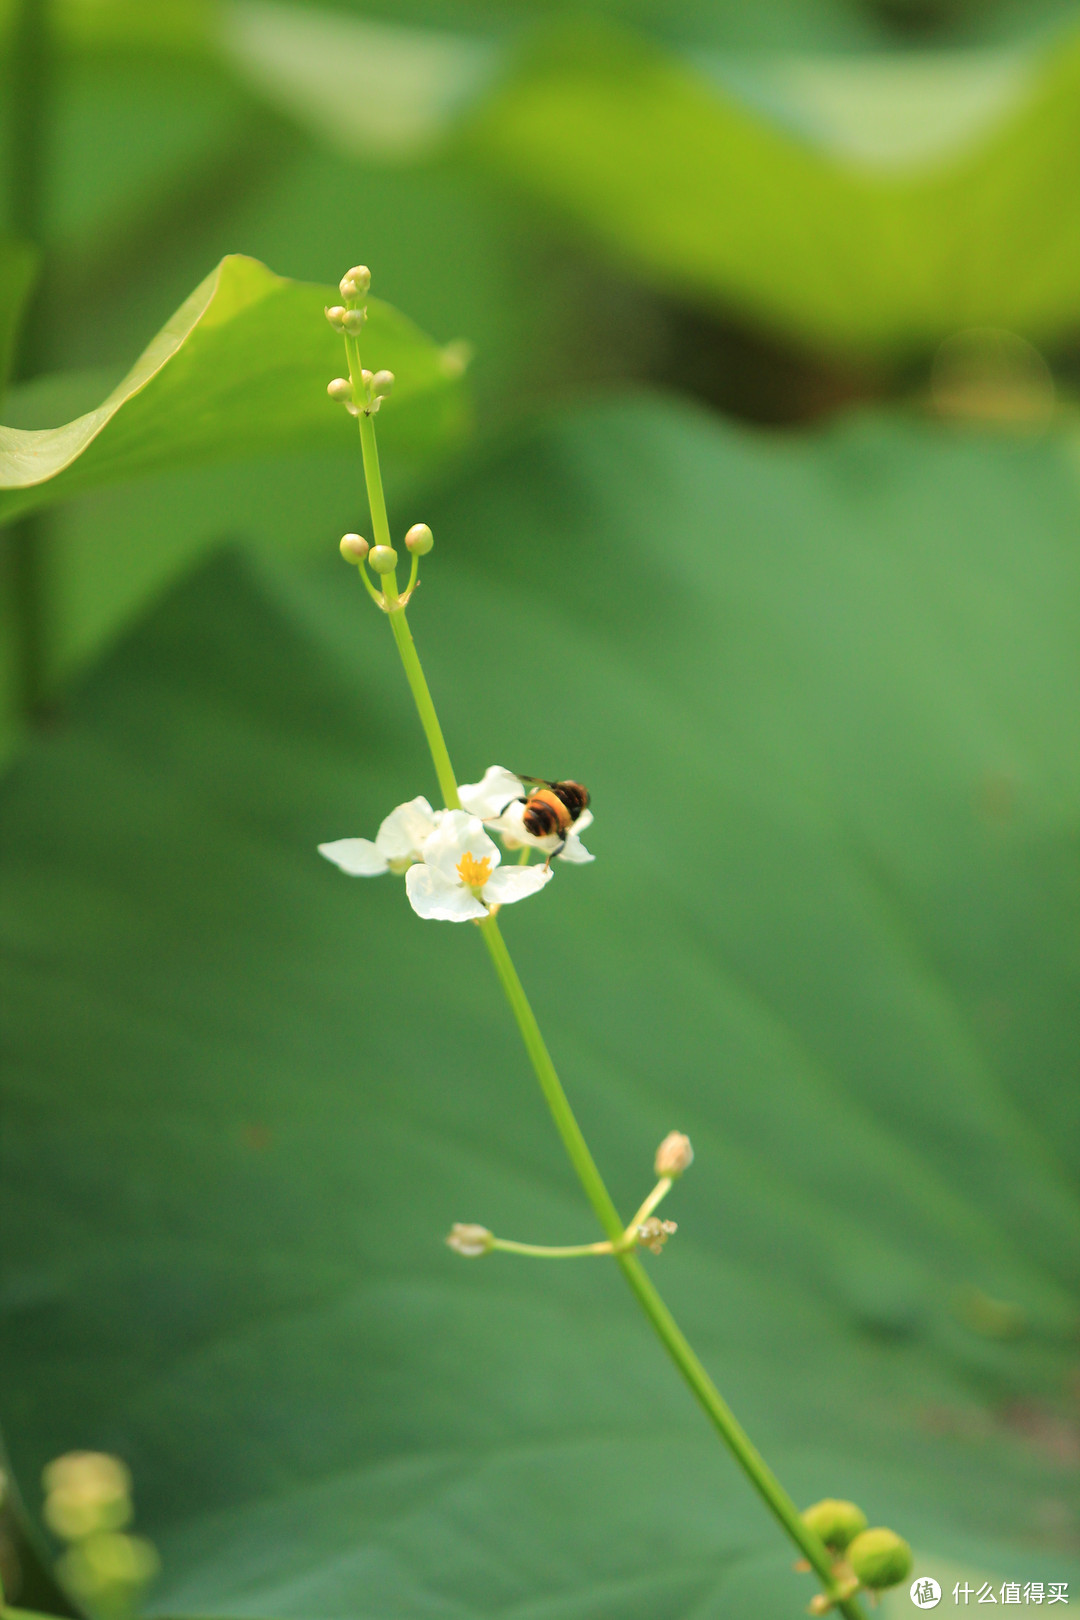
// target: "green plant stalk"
[[544, 1251], [664, 1324]]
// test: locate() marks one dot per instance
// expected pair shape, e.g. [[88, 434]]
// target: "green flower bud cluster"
[[874, 1559], [88, 1504]]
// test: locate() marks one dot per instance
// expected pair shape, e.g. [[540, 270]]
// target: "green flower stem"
[[543, 1251], [659, 1192], [664, 1324], [668, 1330], [414, 674]]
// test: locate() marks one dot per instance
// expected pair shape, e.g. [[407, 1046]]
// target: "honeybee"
[[551, 810]]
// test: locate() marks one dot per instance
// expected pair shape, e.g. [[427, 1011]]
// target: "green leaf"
[[823, 692], [18, 263], [821, 200], [239, 370]]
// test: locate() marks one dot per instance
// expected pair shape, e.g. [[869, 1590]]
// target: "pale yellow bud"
[[353, 547], [335, 315], [353, 321], [340, 389], [420, 539], [382, 382], [470, 1241], [86, 1491], [674, 1155], [383, 559], [355, 282]]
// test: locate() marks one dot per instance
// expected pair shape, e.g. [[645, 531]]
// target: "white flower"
[[491, 796], [514, 832], [461, 877], [398, 843]]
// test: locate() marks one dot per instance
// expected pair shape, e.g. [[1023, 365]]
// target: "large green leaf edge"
[[240, 369], [683, 180]]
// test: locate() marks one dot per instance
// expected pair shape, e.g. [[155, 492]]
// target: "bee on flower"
[[452, 867]]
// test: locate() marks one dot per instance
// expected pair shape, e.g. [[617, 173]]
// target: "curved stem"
[[545, 1251], [667, 1329]]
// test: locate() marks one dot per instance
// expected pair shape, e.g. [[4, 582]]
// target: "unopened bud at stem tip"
[[383, 559], [674, 1155], [355, 282], [353, 547], [420, 539], [470, 1241]]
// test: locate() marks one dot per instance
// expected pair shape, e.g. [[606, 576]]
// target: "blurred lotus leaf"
[[867, 208], [823, 693], [240, 369]]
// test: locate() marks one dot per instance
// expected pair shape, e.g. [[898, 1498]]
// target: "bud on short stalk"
[[383, 559], [419, 539], [471, 1241], [836, 1523], [880, 1558], [354, 548], [674, 1155]]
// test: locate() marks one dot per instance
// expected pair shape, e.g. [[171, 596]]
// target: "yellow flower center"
[[473, 873]]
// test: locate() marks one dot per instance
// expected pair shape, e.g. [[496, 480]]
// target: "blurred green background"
[[757, 509]]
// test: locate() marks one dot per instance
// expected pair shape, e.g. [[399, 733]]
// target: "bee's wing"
[[540, 781]]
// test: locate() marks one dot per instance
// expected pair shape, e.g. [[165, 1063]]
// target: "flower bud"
[[880, 1558], [353, 321], [353, 547], [86, 1492], [654, 1233], [340, 389], [470, 1241], [382, 382], [383, 559], [420, 539], [335, 315], [355, 282], [674, 1155], [836, 1523], [109, 1566]]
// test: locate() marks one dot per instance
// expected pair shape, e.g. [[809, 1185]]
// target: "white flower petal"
[[584, 820], [435, 897], [512, 883], [357, 856], [491, 795], [575, 851], [458, 834], [406, 829]]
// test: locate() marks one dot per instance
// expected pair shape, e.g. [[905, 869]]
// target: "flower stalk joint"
[[653, 1233]]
